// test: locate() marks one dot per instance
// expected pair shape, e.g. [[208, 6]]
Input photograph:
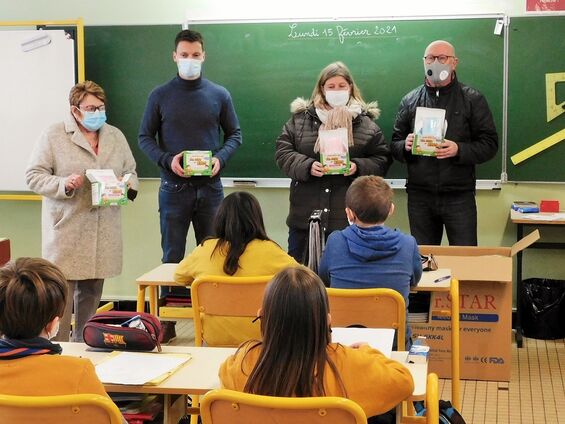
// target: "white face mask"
[[337, 98], [189, 68]]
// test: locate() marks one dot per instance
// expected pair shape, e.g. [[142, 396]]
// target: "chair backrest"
[[224, 308], [227, 406], [371, 308], [76, 409]]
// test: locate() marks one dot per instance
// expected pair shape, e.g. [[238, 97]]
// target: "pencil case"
[[123, 330]]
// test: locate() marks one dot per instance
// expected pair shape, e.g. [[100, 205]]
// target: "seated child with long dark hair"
[[297, 358], [240, 247]]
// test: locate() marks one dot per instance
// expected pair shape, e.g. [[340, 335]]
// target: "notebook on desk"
[[137, 368], [378, 338]]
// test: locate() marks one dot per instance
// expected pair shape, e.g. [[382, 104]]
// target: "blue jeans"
[[428, 213], [179, 205]]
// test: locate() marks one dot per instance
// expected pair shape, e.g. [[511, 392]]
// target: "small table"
[[537, 220], [451, 285], [160, 276]]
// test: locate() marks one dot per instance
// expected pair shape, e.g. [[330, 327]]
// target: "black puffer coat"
[[295, 155], [470, 125]]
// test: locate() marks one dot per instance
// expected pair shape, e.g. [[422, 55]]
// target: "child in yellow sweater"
[[296, 356]]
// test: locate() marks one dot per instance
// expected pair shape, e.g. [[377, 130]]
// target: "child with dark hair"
[[295, 356], [240, 247]]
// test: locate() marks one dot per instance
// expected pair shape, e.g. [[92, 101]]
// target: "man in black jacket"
[[441, 188]]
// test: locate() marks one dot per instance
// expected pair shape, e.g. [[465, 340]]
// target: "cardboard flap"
[[525, 242]]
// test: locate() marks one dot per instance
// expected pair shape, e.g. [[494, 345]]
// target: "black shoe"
[[169, 333]]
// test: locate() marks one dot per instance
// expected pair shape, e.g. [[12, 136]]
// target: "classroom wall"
[[20, 220]]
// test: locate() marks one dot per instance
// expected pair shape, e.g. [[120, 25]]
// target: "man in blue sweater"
[[367, 254], [187, 113]]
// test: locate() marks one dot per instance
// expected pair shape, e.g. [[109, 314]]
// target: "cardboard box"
[[485, 301], [197, 162], [429, 130], [334, 151], [107, 189]]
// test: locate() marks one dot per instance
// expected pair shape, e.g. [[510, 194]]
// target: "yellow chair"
[[76, 409], [371, 308], [224, 308], [228, 406], [431, 404]]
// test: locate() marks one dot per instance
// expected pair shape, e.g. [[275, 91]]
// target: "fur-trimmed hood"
[[300, 104]]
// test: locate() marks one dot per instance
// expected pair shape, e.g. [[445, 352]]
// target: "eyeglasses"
[[92, 108], [442, 58]]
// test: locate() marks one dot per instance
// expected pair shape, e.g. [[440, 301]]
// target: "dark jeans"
[[179, 205], [428, 213], [297, 242]]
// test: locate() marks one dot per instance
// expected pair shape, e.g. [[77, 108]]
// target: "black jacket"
[[470, 125], [295, 154]]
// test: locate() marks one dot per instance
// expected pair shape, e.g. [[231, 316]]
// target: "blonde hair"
[[335, 69], [82, 89]]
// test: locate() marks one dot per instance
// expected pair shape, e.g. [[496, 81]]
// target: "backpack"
[[447, 413]]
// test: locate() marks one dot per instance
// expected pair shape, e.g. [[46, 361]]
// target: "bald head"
[[440, 45]]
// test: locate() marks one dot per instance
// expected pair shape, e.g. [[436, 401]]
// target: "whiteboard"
[[34, 91]]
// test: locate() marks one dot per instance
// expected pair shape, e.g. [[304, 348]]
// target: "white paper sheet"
[[138, 368], [378, 338], [557, 216]]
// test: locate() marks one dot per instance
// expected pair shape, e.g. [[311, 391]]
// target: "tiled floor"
[[535, 394]]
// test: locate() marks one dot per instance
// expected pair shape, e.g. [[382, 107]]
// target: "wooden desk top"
[[200, 374], [543, 218], [159, 276], [428, 281], [197, 377]]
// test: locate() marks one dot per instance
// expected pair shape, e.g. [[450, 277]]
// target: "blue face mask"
[[189, 68], [93, 121]]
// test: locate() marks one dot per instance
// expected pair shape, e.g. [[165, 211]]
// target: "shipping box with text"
[[485, 302]]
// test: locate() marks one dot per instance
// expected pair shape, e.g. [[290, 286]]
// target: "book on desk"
[[138, 368], [525, 206]]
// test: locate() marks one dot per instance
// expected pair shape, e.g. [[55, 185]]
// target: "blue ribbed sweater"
[[188, 115]]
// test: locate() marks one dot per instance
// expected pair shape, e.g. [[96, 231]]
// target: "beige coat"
[[85, 241]]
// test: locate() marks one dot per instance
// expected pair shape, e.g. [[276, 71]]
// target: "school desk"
[[162, 275], [429, 282], [535, 220], [200, 375], [196, 377]]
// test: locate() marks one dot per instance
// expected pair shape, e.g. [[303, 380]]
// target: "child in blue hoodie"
[[367, 254]]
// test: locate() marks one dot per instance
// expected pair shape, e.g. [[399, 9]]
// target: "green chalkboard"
[[537, 48], [266, 65]]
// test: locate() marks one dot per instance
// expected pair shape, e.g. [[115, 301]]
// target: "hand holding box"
[[429, 130], [107, 189]]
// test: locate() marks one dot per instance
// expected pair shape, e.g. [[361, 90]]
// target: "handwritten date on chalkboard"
[[341, 32]]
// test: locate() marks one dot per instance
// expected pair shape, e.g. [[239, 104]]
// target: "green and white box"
[[107, 189], [197, 162], [429, 130], [334, 151]]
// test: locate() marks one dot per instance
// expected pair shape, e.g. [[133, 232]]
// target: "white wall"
[[139, 12]]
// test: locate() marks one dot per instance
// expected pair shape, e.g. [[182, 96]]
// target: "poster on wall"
[[545, 5]]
